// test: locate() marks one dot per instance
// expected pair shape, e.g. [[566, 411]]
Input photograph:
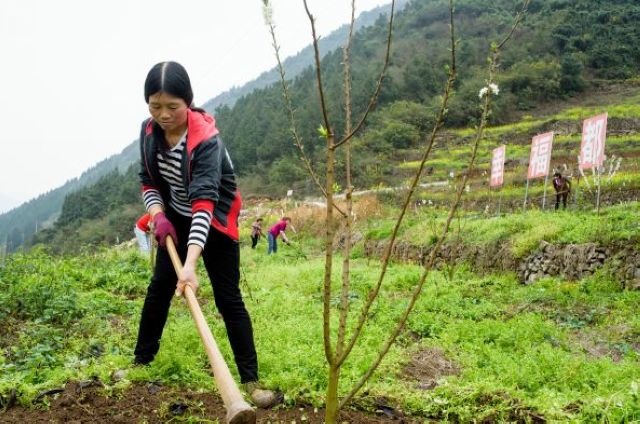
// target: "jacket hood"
[[201, 126]]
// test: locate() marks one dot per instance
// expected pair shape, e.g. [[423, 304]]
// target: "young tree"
[[336, 352]]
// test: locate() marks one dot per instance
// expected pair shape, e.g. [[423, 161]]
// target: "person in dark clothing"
[[189, 189], [256, 232], [562, 186]]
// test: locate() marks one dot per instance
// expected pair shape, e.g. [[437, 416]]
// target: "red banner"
[[540, 157], [594, 134], [497, 167]]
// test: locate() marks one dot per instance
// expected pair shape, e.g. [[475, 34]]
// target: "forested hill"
[[295, 64], [562, 48], [19, 224]]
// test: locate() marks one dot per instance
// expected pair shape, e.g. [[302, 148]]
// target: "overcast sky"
[[72, 71]]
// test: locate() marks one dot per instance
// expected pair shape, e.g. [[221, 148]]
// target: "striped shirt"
[[170, 168]]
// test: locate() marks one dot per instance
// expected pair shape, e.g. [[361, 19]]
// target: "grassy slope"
[[565, 119], [562, 350], [523, 232]]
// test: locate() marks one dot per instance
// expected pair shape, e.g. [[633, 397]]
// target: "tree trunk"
[[332, 410]]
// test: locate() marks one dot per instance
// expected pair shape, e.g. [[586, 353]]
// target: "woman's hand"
[[162, 228], [187, 277]]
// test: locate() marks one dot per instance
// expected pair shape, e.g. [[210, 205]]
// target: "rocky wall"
[[571, 261]]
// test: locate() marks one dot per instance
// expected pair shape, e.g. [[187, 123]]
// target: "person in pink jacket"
[[276, 231]]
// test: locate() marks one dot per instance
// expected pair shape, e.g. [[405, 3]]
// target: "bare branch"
[[291, 111], [432, 256], [330, 175], [426, 271], [316, 50], [374, 97], [387, 253], [516, 22], [328, 246], [344, 311]]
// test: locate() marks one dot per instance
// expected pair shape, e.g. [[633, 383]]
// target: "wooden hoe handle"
[[238, 410]]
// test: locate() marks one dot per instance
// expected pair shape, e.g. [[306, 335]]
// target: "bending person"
[[562, 186], [189, 188], [274, 232]]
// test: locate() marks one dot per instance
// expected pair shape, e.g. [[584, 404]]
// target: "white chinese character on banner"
[[593, 138], [544, 148], [540, 155], [497, 167]]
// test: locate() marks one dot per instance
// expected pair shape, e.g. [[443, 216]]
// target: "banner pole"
[[526, 193], [544, 195], [598, 195], [492, 196], [577, 195], [500, 201]]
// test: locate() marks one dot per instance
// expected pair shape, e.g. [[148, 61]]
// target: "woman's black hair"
[[170, 78]]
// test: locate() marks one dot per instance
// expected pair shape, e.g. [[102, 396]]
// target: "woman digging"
[[189, 189]]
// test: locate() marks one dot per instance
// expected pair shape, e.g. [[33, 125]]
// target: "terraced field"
[[620, 179]]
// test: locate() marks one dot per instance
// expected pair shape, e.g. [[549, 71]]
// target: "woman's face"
[[168, 111]]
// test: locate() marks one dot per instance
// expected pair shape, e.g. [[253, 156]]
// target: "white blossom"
[[491, 88], [267, 13]]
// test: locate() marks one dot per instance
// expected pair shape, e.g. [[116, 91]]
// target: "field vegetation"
[[476, 347]]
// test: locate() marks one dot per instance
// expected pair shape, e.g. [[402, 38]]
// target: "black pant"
[[221, 256], [254, 241], [563, 196]]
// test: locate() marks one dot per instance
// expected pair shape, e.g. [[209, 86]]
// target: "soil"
[[91, 402], [428, 366]]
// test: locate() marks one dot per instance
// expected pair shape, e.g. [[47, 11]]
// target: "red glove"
[[162, 228]]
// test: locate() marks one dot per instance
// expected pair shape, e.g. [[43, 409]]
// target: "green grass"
[[522, 351], [614, 111], [513, 339], [625, 110], [517, 127], [522, 231]]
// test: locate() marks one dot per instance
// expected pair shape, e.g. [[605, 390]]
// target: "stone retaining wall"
[[572, 261]]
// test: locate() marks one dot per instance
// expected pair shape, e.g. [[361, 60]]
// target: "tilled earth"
[[91, 402]]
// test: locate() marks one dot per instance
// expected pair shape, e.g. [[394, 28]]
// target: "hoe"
[[238, 410]]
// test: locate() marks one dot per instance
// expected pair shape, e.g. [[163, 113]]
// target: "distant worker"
[[562, 187], [275, 231], [256, 232], [142, 232]]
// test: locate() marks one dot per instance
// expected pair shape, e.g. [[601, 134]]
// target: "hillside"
[[447, 164], [563, 62], [19, 224], [547, 61], [621, 181]]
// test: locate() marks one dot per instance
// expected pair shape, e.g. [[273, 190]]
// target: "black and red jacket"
[[207, 171]]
